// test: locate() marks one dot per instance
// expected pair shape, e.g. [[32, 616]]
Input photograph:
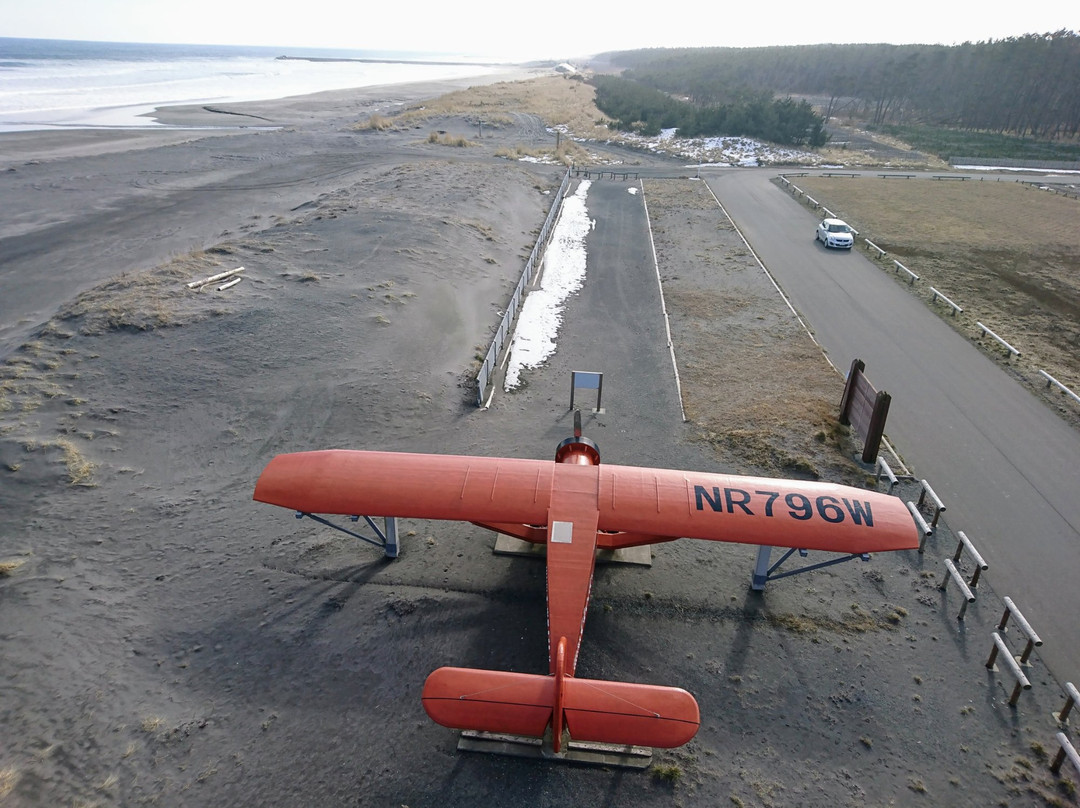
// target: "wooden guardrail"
[[954, 575], [925, 493], [980, 565], [1002, 650], [924, 528], [1033, 639], [1072, 697], [1066, 750]]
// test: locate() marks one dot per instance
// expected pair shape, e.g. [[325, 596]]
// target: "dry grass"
[[1007, 253], [857, 623], [567, 153], [108, 782], [667, 772], [446, 139], [766, 400], [9, 778], [556, 100], [80, 470], [144, 301], [954, 215], [27, 383], [8, 566], [853, 158], [377, 123], [43, 371]]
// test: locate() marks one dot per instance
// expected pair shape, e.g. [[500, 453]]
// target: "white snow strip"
[[1019, 168], [564, 273]]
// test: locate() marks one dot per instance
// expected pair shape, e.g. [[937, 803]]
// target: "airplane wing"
[[753, 510], [650, 505], [421, 486]]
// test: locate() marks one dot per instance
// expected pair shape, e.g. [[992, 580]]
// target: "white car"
[[835, 233]]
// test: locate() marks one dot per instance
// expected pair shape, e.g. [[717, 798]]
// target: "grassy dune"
[[1006, 252]]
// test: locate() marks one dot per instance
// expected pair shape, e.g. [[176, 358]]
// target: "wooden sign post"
[[864, 408]]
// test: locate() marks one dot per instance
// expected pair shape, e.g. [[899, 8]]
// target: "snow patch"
[[563, 274], [723, 152]]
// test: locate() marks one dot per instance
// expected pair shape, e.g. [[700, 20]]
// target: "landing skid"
[[584, 752]]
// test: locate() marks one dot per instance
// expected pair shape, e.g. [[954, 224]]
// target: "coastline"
[[328, 105], [183, 123]]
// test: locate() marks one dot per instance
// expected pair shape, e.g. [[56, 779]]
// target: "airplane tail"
[[589, 710]]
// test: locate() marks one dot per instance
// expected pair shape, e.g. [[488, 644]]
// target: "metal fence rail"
[[503, 333]]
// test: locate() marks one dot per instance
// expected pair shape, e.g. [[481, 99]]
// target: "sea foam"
[[56, 83]]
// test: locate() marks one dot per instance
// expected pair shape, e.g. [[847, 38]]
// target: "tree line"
[[633, 106], [1027, 85]]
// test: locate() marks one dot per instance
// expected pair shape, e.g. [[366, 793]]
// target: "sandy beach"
[[166, 641]]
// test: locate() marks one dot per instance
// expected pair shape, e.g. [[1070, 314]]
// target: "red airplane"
[[576, 506]]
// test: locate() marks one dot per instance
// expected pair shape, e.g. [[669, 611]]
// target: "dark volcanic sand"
[[166, 641]]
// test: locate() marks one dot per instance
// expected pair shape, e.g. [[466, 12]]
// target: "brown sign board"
[[865, 409]]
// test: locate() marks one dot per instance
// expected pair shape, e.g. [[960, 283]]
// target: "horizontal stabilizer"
[[593, 710]]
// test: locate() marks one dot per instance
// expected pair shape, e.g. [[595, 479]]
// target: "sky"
[[523, 31]]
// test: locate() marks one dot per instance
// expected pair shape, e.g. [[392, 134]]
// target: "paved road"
[[1003, 463], [640, 395]]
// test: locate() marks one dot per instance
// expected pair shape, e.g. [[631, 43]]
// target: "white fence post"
[[1022, 682]]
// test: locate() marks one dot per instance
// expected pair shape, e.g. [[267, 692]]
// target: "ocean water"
[[47, 84]]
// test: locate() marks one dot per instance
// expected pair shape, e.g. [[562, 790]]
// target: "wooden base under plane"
[[584, 752]]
